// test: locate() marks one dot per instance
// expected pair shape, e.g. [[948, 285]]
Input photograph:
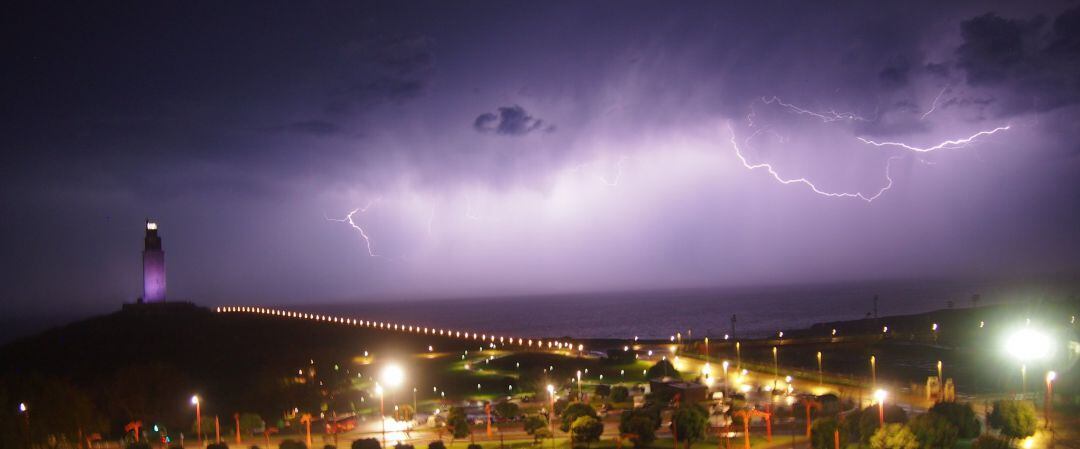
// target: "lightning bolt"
[[946, 145], [827, 116], [933, 104], [869, 198], [363, 234]]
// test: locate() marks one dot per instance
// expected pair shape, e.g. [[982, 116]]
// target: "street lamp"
[[579, 398], [1049, 399], [879, 396], [26, 415], [198, 416], [1025, 345], [382, 412]]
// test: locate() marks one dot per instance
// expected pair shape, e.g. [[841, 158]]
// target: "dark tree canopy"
[[1015, 419], [575, 411]]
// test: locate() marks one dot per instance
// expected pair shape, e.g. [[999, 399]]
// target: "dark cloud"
[[1034, 67], [894, 76], [383, 68], [510, 121]]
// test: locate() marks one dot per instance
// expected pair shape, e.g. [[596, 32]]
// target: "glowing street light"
[[879, 396], [1025, 345], [1049, 399], [551, 410], [382, 413], [198, 416]]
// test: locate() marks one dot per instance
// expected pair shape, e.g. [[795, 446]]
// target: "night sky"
[[531, 147]]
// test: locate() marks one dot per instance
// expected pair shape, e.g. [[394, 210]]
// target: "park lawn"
[[609, 443]]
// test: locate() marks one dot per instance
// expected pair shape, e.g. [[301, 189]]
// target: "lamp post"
[[1049, 399], [873, 372], [382, 413], [579, 398], [198, 417], [392, 375], [1027, 344], [26, 416], [819, 368], [724, 365], [551, 412], [738, 357], [941, 382], [775, 365], [879, 396]]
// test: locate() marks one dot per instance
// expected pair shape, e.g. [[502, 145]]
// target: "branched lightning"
[[946, 145], [933, 104], [827, 116], [610, 182], [363, 234], [769, 168]]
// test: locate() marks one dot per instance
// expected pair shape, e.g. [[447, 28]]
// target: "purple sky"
[[531, 147]]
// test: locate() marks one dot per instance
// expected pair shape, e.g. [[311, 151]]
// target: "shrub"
[[689, 423], [661, 369], [575, 411], [602, 390], [933, 431], [1015, 419], [894, 436], [403, 446], [868, 421], [436, 445], [474, 446], [587, 429], [329, 446], [821, 434], [961, 415], [534, 423], [620, 394], [366, 443], [640, 424], [217, 446], [990, 442]]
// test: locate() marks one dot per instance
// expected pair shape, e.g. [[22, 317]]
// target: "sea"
[[713, 312]]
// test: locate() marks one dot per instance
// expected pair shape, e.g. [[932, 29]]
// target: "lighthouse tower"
[[153, 265]]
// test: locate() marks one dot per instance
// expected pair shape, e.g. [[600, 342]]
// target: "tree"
[[640, 424], [249, 422], [534, 423], [602, 390], [366, 443], [458, 423], [933, 431], [401, 445], [894, 436], [575, 411], [990, 442], [689, 423], [217, 446], [867, 421], [620, 393], [587, 429], [560, 405], [541, 434], [436, 445], [404, 412], [961, 415], [1015, 419], [507, 410], [822, 434], [663, 368]]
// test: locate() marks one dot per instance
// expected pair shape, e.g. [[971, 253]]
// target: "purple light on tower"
[[153, 260]]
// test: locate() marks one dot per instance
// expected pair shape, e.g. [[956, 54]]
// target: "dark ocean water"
[[659, 314]]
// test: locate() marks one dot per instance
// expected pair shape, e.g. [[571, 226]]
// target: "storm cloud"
[[510, 121], [242, 127]]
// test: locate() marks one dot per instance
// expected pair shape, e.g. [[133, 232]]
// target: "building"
[[153, 266]]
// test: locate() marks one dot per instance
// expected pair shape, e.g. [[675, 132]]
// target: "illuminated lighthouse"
[[153, 261]]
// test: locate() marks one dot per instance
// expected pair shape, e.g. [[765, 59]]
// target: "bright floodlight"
[[1028, 344], [880, 395], [1050, 376], [22, 407], [550, 388], [194, 400], [392, 375]]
